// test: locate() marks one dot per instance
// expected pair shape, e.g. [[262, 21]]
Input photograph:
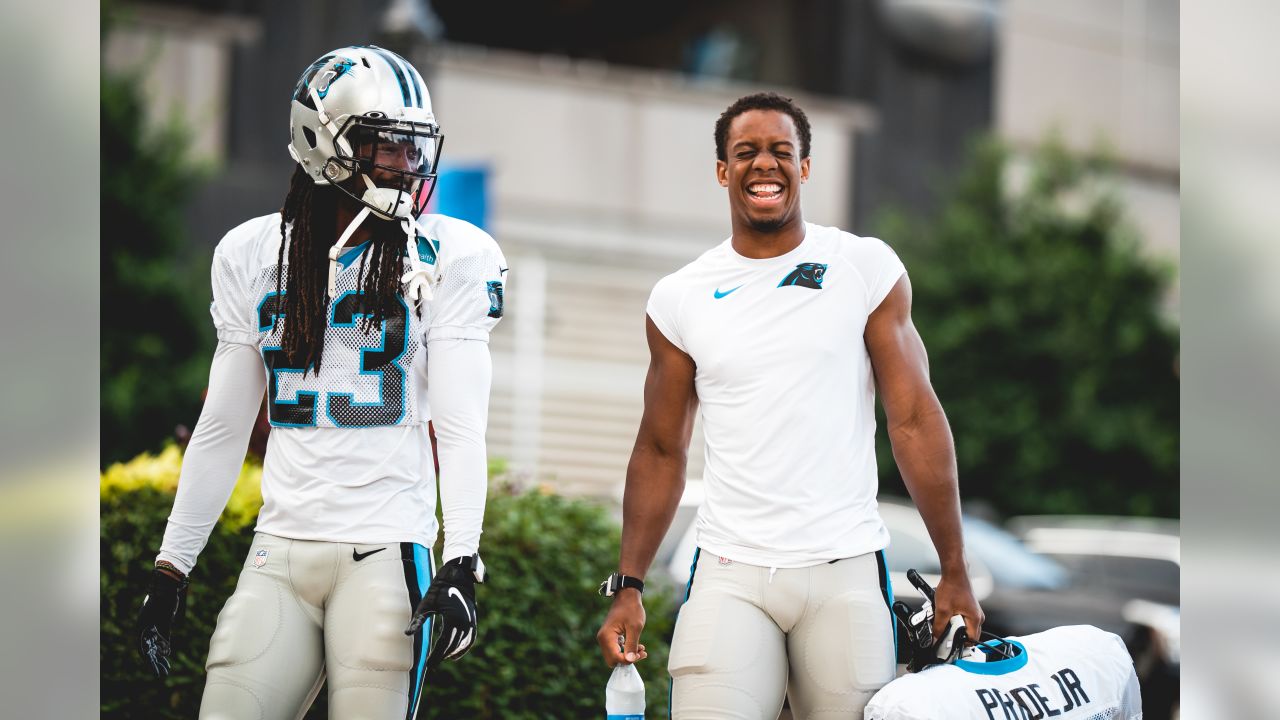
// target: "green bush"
[[1047, 344], [135, 501], [536, 656]]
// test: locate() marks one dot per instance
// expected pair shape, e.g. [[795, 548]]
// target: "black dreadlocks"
[[312, 209]]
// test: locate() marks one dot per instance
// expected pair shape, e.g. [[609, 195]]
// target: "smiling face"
[[763, 171]]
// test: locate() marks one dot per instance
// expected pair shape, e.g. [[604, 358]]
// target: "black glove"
[[452, 596], [165, 596]]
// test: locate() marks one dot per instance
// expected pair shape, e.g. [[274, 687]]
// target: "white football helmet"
[[365, 111]]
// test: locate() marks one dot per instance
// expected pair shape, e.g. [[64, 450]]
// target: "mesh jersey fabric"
[[365, 379], [349, 459], [1074, 672], [786, 394]]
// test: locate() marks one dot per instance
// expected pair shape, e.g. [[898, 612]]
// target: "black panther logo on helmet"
[[808, 275]]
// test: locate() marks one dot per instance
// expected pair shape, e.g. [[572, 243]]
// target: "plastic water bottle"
[[624, 695]]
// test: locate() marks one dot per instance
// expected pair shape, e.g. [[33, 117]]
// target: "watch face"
[[609, 585]]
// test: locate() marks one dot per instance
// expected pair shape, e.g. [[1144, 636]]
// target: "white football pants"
[[749, 635], [303, 610]]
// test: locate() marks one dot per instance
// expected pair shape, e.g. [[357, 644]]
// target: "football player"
[[781, 334], [333, 306]]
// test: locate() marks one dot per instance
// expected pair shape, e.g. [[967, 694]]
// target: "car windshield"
[[1010, 562]]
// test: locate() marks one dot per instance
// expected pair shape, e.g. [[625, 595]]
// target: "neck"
[[762, 244]]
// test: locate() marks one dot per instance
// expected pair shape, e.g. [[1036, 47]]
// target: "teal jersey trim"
[[348, 257]]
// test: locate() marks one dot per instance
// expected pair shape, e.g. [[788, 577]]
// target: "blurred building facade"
[[591, 126], [1101, 73]]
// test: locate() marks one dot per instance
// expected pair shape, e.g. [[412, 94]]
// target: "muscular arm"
[[655, 481], [655, 475], [922, 446]]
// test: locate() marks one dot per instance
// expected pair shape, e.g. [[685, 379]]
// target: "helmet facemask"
[[395, 159]]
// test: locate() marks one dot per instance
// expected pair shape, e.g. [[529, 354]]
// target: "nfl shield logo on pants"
[[260, 558]]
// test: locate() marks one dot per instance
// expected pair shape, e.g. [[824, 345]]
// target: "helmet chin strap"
[[392, 204], [418, 278], [337, 249]]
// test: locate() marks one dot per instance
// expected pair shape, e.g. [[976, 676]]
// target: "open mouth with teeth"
[[765, 193]]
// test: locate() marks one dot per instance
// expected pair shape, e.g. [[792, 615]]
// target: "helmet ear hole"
[[335, 171], [310, 137]]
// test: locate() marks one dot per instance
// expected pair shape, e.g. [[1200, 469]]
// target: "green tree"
[[155, 345], [1047, 346]]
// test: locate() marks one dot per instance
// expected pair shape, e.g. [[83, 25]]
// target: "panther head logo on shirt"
[[808, 275]]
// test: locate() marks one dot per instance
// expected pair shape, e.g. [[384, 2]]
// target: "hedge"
[[536, 657]]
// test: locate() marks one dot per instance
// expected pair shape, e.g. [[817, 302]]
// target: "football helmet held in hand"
[[923, 649]]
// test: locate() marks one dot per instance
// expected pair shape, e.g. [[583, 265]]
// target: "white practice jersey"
[[1076, 672], [370, 379], [786, 394], [349, 458]]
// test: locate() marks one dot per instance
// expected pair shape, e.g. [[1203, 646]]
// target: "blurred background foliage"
[[1047, 343], [536, 656], [156, 336]]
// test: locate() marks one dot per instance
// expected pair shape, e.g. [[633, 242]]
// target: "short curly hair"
[[762, 101]]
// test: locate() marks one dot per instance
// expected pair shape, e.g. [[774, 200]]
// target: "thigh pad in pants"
[[266, 657], [842, 650], [728, 658]]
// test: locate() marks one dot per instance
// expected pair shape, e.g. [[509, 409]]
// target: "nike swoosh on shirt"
[[726, 292], [358, 556]]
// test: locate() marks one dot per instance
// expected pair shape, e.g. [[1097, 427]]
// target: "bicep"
[[898, 357], [669, 396]]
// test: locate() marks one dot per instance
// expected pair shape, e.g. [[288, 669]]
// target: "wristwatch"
[[474, 564], [618, 581]]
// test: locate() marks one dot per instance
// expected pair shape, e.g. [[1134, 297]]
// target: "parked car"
[[1138, 562], [1021, 592], [1129, 558]]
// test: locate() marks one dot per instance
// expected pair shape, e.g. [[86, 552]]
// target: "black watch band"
[[618, 581]]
